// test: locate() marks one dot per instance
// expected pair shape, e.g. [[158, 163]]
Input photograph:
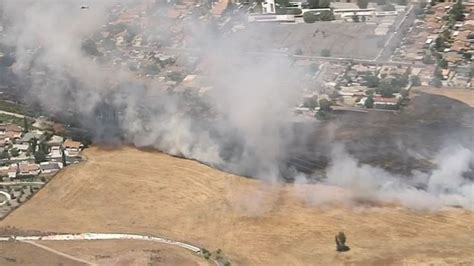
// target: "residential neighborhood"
[[29, 157], [435, 49], [442, 39]]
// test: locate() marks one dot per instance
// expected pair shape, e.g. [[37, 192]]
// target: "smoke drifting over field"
[[444, 186], [242, 125]]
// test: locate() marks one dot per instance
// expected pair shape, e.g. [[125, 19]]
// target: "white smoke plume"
[[362, 183], [247, 129], [251, 99]]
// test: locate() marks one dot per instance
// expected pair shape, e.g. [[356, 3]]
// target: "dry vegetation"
[[127, 190], [16, 253], [126, 253]]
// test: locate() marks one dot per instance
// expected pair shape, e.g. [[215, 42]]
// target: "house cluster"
[[442, 38], [384, 86], [130, 40], [354, 86], [28, 152]]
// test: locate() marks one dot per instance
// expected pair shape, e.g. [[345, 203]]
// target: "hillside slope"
[[128, 190]]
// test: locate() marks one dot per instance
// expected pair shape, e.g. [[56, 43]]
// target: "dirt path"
[[58, 252]]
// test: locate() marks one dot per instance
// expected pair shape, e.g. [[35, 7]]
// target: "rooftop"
[[72, 144]]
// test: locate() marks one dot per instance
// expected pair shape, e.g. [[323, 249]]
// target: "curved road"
[[104, 236], [7, 196]]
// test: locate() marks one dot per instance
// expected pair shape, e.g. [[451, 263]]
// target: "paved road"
[[394, 40], [7, 196], [102, 236], [21, 183]]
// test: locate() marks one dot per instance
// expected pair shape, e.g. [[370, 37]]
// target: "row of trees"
[[311, 4], [457, 12], [311, 17]]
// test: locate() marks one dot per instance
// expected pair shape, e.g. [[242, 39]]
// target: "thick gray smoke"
[[241, 125], [245, 131], [363, 183]]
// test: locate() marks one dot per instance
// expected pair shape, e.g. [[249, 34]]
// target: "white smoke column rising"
[[444, 187], [253, 97]]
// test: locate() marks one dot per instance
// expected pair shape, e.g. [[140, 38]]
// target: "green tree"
[[26, 124], [310, 17], [438, 73], [4, 154], [63, 156], [324, 105], [44, 147], [311, 102], [14, 152], [400, 81], [446, 34], [369, 103], [439, 44], [467, 56], [325, 52], [33, 144], [290, 11], [386, 88], [363, 3], [206, 253], [40, 156], [442, 63], [415, 80], [90, 48], [327, 15], [372, 81], [341, 242], [457, 11], [298, 51]]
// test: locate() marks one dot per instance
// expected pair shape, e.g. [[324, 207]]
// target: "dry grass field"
[[126, 252], [464, 95], [16, 253], [133, 191]]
